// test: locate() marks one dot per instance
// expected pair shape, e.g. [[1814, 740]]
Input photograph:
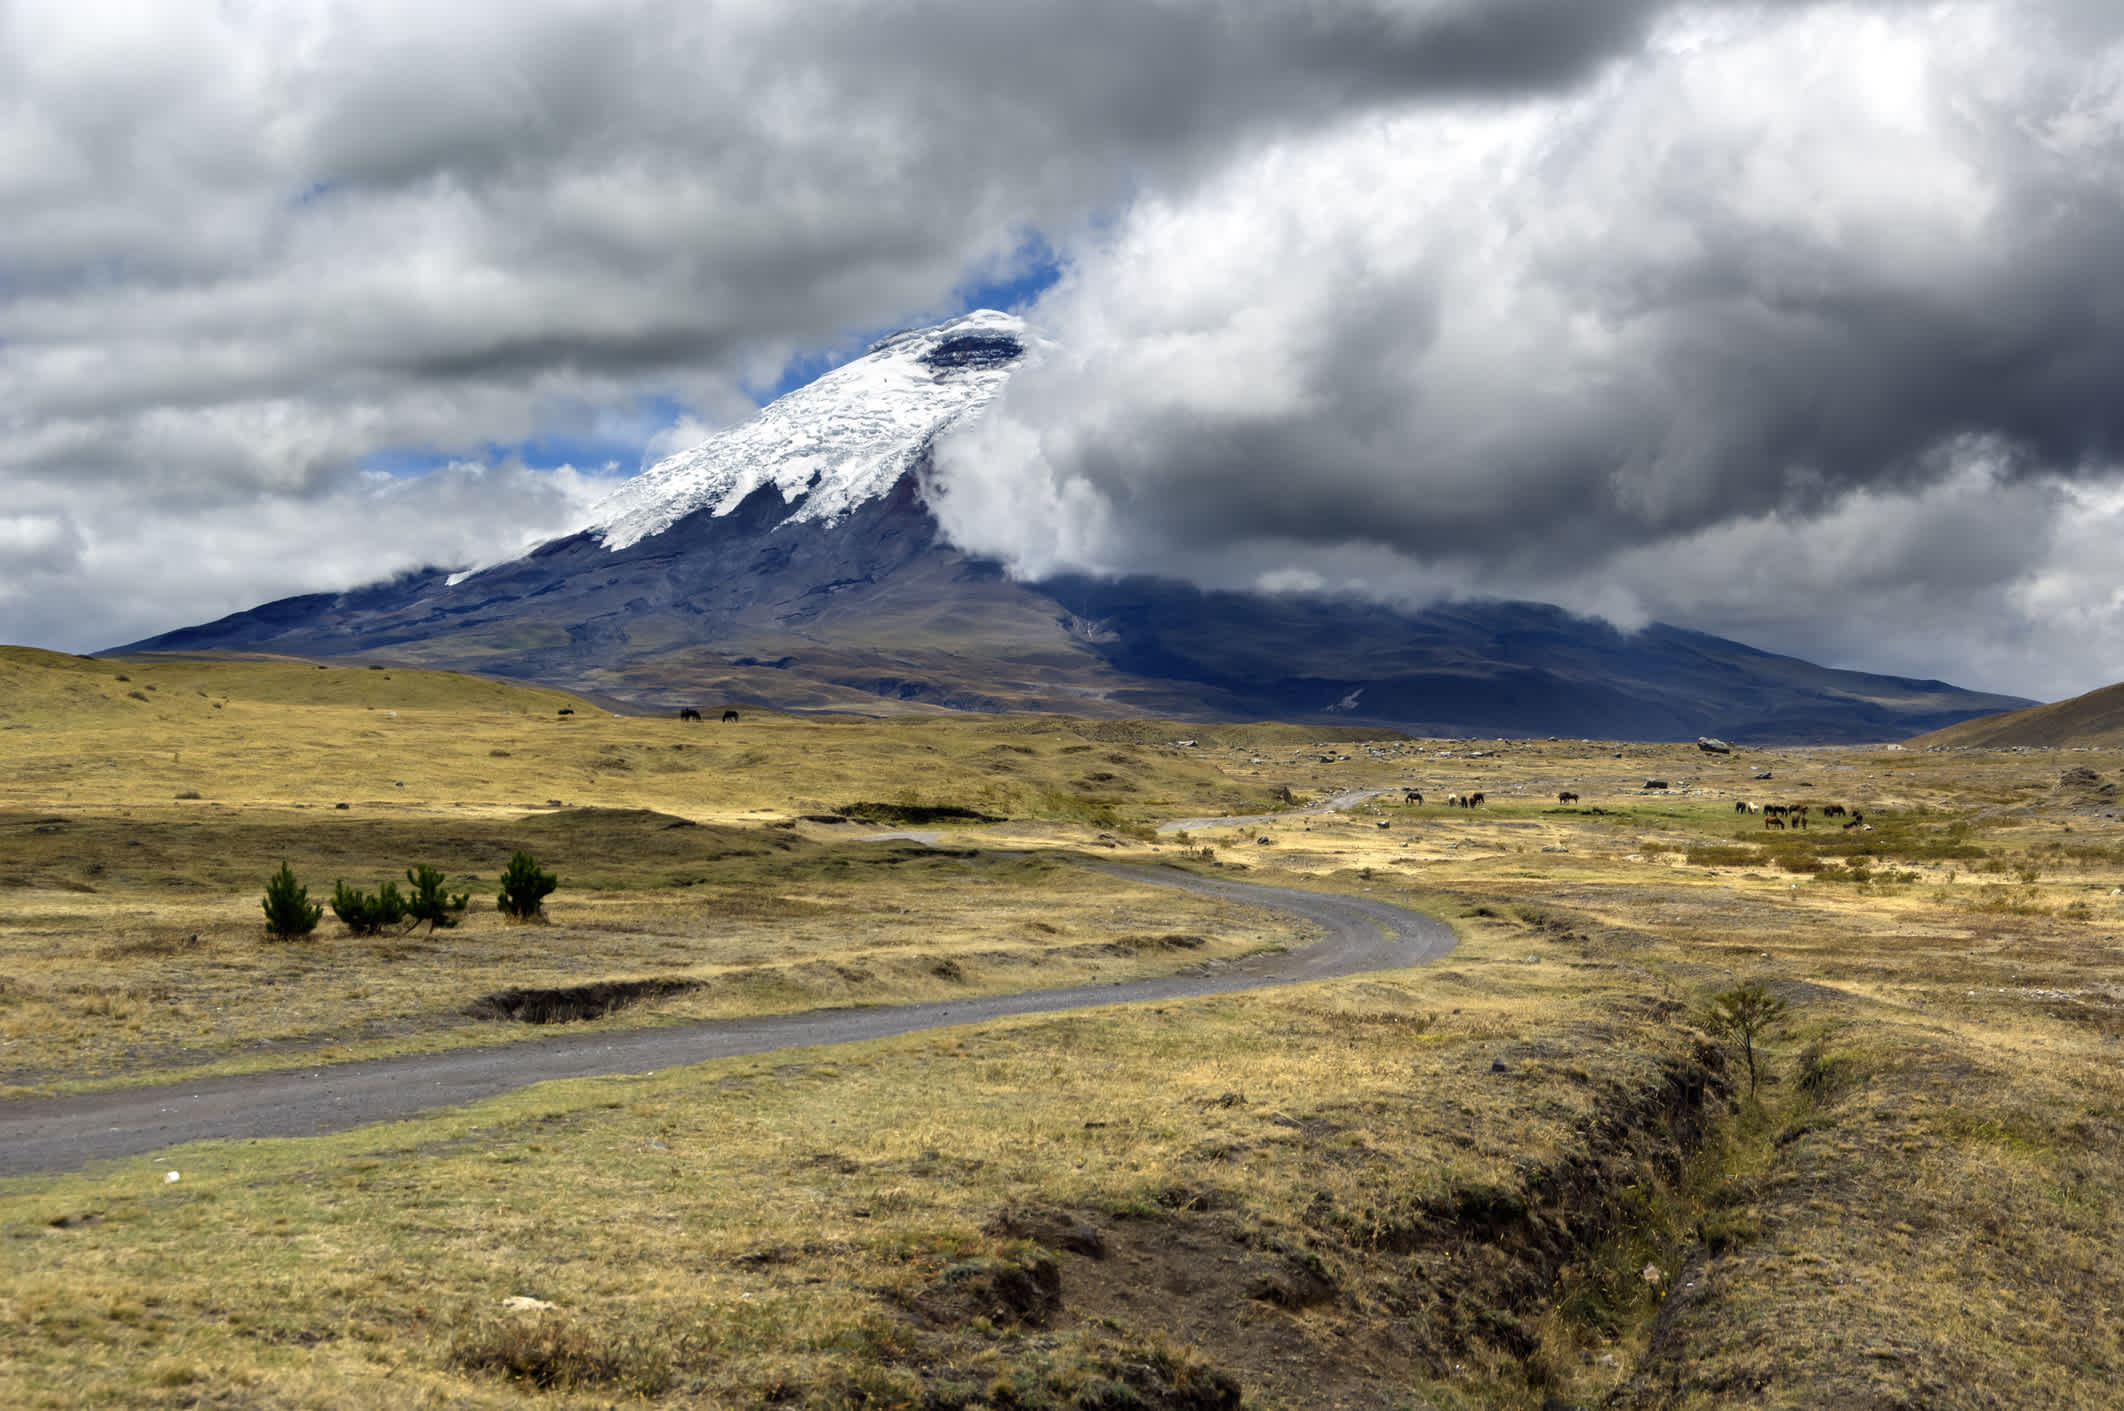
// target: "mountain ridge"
[[793, 561]]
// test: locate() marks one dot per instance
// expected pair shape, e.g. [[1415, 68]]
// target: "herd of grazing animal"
[[1794, 815], [1774, 815]]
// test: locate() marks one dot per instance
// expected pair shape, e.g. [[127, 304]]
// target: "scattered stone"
[[1711, 746]]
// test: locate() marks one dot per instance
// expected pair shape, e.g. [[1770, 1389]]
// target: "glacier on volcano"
[[837, 443]]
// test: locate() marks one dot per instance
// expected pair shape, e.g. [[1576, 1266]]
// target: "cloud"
[[95, 573], [1821, 300], [247, 249], [1567, 298]]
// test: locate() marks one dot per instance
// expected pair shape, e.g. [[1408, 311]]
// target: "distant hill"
[[2096, 718], [793, 562]]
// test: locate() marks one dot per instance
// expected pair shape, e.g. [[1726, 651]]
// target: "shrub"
[[289, 911], [430, 902], [524, 888], [1742, 1014], [365, 915]]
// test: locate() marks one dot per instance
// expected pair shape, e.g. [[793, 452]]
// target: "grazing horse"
[[1472, 800], [688, 713], [1567, 797], [1412, 796], [1772, 820], [1858, 820], [1832, 810], [1740, 806], [1797, 814], [1452, 801], [567, 710], [729, 717]]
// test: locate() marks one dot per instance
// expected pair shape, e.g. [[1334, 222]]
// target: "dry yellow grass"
[[1513, 1175]]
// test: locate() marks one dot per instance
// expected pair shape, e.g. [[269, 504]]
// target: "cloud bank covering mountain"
[[1798, 323]]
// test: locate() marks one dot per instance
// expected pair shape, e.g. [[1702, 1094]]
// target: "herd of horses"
[[1794, 815], [1451, 800], [1774, 815], [689, 713]]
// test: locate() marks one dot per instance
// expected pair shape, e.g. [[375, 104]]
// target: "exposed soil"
[[1353, 1307]]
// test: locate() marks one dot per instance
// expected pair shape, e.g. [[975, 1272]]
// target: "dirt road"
[[63, 1134], [1340, 801]]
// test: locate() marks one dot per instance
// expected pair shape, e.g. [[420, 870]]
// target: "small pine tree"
[[430, 902], [1742, 1014], [289, 911], [365, 915], [524, 888]]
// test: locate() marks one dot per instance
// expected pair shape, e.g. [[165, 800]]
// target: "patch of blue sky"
[[1012, 284], [592, 455], [614, 441]]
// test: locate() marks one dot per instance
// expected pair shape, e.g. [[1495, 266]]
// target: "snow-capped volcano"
[[794, 561], [837, 443]]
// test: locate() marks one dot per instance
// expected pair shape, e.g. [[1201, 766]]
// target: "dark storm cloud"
[[467, 192], [1569, 298], [1840, 274], [243, 249]]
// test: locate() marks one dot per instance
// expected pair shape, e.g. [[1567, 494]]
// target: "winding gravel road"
[[64, 1134], [1340, 801]]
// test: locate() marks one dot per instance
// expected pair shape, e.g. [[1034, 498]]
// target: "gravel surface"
[[63, 1134], [1340, 801]]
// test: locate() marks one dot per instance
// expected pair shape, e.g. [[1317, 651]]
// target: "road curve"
[[64, 1134], [1349, 799]]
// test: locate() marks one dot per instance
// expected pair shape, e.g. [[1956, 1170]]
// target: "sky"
[[1797, 323]]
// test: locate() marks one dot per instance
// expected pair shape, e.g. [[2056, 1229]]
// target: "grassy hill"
[[2095, 719]]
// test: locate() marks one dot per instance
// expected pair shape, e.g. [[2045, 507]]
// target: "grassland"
[[1524, 1173]]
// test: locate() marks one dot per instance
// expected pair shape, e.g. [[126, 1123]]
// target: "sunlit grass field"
[[1525, 1171]]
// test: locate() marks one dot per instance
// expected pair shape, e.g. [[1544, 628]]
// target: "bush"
[[365, 915], [430, 902], [289, 911], [1742, 1014], [524, 888]]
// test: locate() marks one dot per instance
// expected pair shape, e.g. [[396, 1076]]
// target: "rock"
[[1711, 746]]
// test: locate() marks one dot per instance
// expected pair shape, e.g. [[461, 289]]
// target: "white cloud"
[[100, 573], [1794, 319], [1578, 298]]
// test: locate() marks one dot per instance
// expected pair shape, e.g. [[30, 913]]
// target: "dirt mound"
[[1009, 1293], [2084, 785], [572, 1003]]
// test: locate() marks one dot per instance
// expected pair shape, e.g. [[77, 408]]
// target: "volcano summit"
[[792, 561]]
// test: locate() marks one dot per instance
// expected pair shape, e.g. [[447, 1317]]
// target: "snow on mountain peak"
[[833, 444]]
